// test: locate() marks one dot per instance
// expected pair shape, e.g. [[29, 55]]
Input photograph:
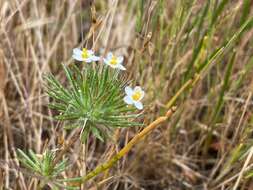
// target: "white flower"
[[114, 62], [84, 55], [134, 96]]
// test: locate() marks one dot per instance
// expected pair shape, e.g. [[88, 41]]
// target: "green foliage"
[[93, 100], [44, 166], [218, 10], [245, 11], [140, 13]]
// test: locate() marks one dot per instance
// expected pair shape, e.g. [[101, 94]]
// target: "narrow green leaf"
[[96, 132]]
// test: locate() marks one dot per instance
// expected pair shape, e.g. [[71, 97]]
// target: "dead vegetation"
[[207, 144]]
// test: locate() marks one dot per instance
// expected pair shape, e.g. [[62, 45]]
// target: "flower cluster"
[[133, 96]]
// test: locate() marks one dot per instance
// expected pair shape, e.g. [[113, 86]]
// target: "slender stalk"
[[67, 147], [209, 63], [137, 138], [71, 141], [186, 85]]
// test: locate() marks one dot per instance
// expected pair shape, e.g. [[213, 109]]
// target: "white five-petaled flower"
[[134, 96], [114, 62], [84, 55]]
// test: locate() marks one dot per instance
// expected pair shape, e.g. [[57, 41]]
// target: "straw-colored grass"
[[196, 55]]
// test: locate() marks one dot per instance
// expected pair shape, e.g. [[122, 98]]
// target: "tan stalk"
[[136, 139]]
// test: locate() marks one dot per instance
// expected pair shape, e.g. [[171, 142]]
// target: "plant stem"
[[70, 143], [137, 138], [67, 147], [208, 64], [182, 89]]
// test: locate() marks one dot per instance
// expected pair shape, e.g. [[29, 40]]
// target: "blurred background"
[[207, 144]]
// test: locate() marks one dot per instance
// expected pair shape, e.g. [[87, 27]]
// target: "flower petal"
[[111, 65], [128, 90], [120, 59], [121, 67], [128, 100], [109, 55], [142, 94], [90, 52], [77, 51], [95, 58], [77, 57], [88, 60], [106, 61], [138, 105], [137, 88]]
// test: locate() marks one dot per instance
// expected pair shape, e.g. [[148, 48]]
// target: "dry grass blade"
[[129, 145], [196, 54]]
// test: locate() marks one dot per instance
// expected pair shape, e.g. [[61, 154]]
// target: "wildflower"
[[84, 55], [90, 101], [134, 96], [114, 62]]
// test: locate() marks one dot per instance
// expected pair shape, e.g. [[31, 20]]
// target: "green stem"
[[137, 138]]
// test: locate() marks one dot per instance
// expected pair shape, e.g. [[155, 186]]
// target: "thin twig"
[[137, 138], [67, 147]]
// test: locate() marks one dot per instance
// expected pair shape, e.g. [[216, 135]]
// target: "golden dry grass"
[[207, 144]]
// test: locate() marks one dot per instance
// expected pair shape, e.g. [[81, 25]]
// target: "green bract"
[[43, 164], [92, 99]]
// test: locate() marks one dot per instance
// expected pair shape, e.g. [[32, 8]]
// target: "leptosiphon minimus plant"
[[95, 99], [44, 166]]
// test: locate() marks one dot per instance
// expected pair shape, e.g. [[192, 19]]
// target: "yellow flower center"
[[136, 96], [114, 60], [85, 54]]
